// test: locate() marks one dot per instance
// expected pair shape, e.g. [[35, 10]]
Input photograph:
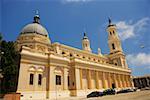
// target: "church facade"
[[53, 70]]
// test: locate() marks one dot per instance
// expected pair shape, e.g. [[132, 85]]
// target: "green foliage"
[[9, 65]]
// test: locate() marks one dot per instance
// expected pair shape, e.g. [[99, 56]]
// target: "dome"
[[34, 28]]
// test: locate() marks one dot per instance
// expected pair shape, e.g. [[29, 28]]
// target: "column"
[[81, 78], [103, 80], [35, 82], [124, 79], [77, 78], [120, 81], [89, 78], [130, 81], [65, 79], [109, 80], [100, 78], [127, 81], [97, 80], [115, 80]]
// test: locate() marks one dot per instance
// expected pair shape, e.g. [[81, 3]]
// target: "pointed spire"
[[85, 36], [109, 20], [37, 12], [36, 17]]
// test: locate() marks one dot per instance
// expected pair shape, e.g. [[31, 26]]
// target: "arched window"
[[113, 32], [70, 55], [113, 46], [58, 80], [110, 33], [63, 52]]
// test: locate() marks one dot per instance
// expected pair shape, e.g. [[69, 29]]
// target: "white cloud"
[[139, 63], [75, 1], [140, 59], [129, 30]]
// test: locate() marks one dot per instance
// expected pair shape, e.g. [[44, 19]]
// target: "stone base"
[[84, 93], [59, 94], [33, 95], [12, 96], [41, 95]]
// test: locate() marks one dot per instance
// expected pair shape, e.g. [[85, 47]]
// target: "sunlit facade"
[[53, 70]]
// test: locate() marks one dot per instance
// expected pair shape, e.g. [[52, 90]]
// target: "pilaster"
[[104, 80], [89, 78], [81, 79], [97, 80], [65, 79]]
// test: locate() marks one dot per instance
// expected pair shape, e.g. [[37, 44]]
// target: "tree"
[[9, 65]]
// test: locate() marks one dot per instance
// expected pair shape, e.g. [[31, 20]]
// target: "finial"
[[85, 37], [84, 34], [99, 51], [37, 12], [37, 17], [109, 20], [84, 30]]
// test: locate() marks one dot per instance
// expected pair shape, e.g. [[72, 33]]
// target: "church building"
[[53, 70]]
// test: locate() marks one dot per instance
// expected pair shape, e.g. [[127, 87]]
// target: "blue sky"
[[66, 20]]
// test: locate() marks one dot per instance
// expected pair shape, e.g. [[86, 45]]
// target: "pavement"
[[139, 95]]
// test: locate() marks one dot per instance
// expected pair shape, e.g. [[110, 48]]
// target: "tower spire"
[[109, 20], [86, 43], [84, 34]]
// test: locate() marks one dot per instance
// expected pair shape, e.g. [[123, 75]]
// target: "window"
[[110, 33], [58, 80], [113, 32], [63, 52], [85, 45], [70, 55], [31, 79], [68, 81], [113, 46], [39, 79]]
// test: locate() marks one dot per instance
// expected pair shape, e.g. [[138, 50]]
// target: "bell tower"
[[86, 43], [116, 55], [113, 39]]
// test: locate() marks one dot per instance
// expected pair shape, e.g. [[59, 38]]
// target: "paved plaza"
[[139, 95]]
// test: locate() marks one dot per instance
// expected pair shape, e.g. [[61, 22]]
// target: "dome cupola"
[[34, 35], [35, 27]]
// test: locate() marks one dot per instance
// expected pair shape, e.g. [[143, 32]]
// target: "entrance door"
[[113, 85]]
